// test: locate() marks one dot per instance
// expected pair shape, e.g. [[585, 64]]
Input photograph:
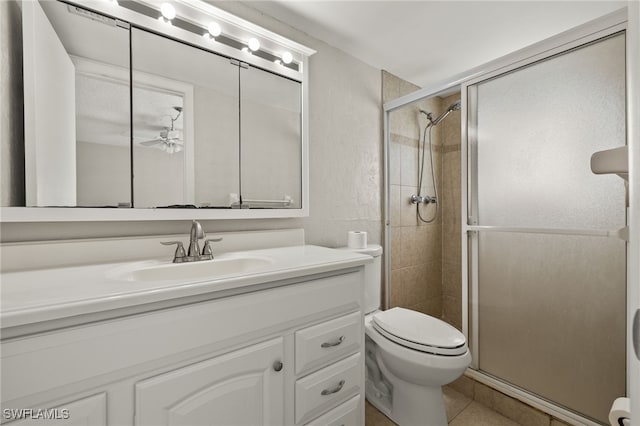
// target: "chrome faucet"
[[193, 254], [195, 234]]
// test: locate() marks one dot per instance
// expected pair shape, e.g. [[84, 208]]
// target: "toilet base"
[[405, 403], [378, 400], [412, 405], [418, 405]]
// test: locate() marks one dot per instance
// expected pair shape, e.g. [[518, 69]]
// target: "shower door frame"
[[564, 42], [591, 31]]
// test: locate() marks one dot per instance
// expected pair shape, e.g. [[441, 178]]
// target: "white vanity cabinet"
[[290, 353]]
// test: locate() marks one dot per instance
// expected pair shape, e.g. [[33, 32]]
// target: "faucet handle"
[[180, 253], [207, 250]]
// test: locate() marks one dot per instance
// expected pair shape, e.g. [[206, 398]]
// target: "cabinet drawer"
[[324, 389], [329, 341], [347, 414]]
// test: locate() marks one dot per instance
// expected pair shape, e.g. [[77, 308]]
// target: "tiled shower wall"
[[416, 257], [451, 217], [425, 257]]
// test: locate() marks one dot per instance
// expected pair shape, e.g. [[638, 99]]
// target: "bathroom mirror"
[[186, 147], [271, 133], [77, 130], [120, 115]]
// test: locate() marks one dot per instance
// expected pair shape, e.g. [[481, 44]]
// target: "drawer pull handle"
[[334, 343], [277, 365], [334, 389]]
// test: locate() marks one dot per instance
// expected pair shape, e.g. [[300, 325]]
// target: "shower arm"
[[453, 107]]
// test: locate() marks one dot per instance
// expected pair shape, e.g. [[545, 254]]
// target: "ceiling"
[[429, 42]]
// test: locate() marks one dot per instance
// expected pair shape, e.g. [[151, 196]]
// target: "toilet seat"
[[420, 332]]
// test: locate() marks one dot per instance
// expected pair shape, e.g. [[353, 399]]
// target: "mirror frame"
[[238, 28]]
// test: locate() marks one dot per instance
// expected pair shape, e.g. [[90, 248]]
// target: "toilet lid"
[[418, 331]]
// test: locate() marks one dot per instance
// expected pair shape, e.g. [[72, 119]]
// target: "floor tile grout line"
[[461, 411]]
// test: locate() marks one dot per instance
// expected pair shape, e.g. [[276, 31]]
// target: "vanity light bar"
[[184, 24], [214, 29], [92, 15], [168, 11]]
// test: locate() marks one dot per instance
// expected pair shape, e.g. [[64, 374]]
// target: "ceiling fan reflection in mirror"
[[170, 140]]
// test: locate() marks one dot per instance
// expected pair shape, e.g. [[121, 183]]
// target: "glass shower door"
[[547, 270]]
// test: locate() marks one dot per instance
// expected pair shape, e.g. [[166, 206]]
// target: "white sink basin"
[[213, 269]]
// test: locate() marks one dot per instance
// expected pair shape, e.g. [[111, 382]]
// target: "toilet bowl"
[[409, 388], [409, 356]]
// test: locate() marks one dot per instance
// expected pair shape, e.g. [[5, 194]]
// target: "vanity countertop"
[[34, 296]]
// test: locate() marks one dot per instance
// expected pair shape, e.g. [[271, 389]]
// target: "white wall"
[[216, 145], [103, 174], [345, 156]]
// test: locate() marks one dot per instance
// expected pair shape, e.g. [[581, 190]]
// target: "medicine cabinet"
[[133, 114]]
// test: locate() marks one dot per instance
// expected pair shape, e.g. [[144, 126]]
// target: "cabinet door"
[[271, 140], [238, 388], [90, 411], [185, 124], [76, 115]]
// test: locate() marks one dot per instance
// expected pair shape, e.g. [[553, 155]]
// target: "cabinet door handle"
[[334, 343], [334, 389], [277, 365]]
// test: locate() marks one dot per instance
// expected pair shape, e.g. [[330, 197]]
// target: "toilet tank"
[[372, 276]]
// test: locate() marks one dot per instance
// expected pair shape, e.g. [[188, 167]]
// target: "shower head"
[[453, 107]]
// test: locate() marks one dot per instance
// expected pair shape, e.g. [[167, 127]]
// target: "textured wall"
[[11, 98], [345, 156]]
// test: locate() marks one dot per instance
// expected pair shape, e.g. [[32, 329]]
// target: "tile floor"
[[461, 411]]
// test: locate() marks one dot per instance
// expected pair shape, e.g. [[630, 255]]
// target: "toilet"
[[409, 356]]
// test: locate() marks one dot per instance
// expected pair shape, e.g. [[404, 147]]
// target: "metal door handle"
[[334, 343], [334, 389], [277, 365]]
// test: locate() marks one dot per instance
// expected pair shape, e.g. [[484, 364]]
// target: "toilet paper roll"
[[620, 410], [357, 239]]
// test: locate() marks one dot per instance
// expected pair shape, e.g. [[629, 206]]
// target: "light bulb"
[[287, 57], [168, 11], [254, 44], [214, 29]]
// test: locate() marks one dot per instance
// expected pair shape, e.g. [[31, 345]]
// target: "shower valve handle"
[[419, 199], [416, 199]]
